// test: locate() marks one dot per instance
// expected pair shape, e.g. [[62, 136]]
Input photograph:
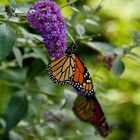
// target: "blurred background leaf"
[[7, 40], [16, 109], [118, 67]]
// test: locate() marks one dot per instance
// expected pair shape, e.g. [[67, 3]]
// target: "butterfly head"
[[71, 49]]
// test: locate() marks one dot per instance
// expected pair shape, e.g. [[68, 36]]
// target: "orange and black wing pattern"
[[81, 79], [61, 70], [71, 70], [89, 110]]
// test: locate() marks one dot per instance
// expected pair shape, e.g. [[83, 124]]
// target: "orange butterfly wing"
[[61, 70], [71, 70], [89, 110], [81, 78]]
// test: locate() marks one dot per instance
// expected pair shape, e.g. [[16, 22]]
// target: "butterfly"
[[89, 110], [70, 69]]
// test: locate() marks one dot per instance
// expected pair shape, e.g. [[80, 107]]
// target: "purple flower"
[[45, 16], [107, 60], [50, 117]]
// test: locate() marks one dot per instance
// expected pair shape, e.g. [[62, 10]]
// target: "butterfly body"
[[69, 69]]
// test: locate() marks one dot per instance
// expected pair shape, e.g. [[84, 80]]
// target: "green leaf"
[[7, 40], [18, 56], [4, 97], [103, 48], [135, 36], [126, 50], [16, 111], [135, 54], [13, 2], [80, 29], [86, 9], [41, 54], [92, 22], [35, 68], [15, 77], [74, 8], [118, 67]]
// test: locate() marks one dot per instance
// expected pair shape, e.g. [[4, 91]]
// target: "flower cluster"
[[107, 60], [46, 18]]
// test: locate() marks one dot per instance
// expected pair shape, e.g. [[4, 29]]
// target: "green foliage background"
[[33, 108]]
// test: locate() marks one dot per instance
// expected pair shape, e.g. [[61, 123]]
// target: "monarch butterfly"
[[89, 110], [69, 69]]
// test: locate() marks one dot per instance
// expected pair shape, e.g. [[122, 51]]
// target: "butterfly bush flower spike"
[[45, 16]]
